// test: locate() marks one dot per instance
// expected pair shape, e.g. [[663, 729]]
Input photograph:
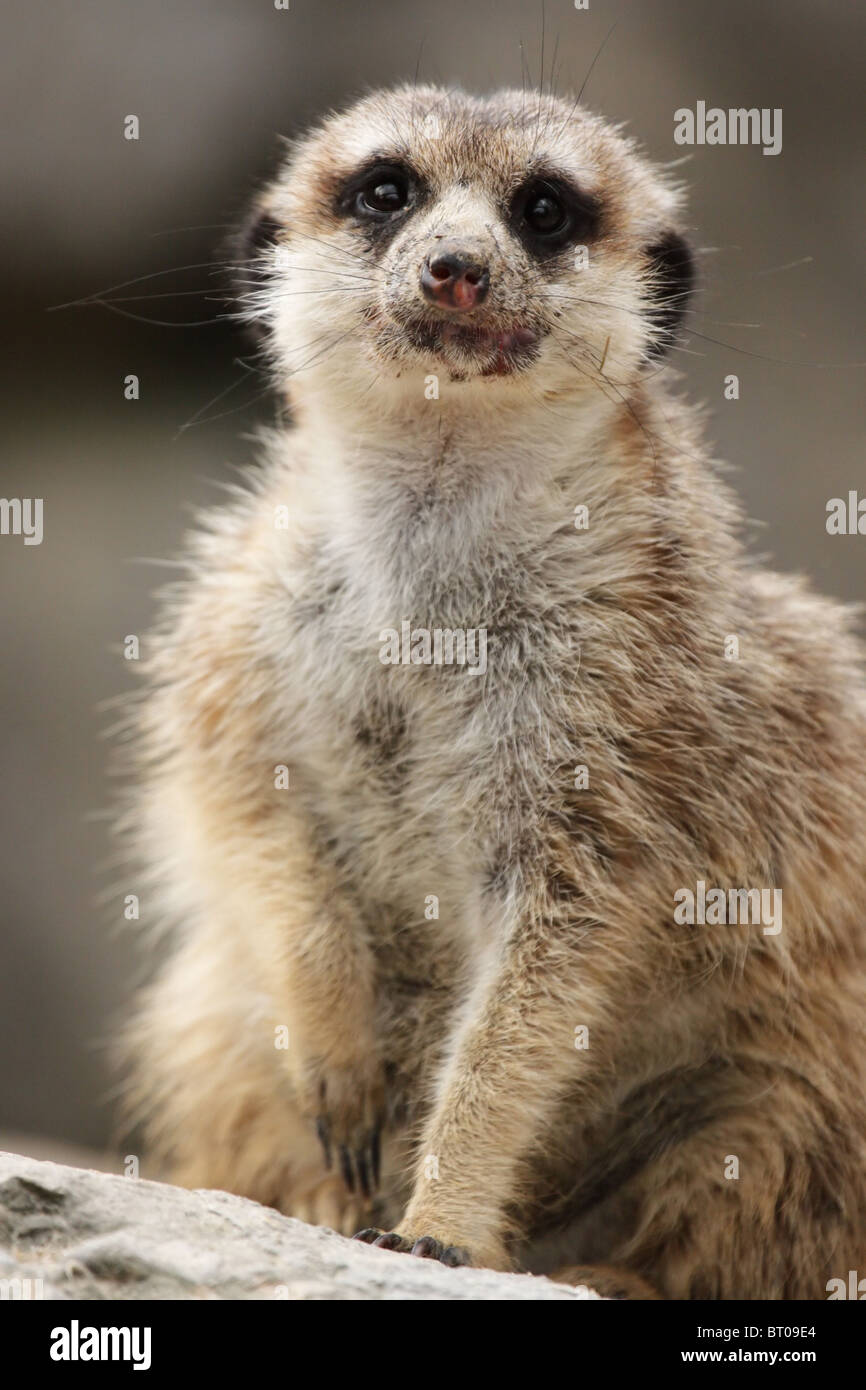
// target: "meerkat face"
[[513, 240]]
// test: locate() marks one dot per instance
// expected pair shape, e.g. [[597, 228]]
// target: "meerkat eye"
[[549, 213], [383, 197], [545, 214], [384, 192]]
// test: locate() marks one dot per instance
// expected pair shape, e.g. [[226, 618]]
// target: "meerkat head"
[[508, 243]]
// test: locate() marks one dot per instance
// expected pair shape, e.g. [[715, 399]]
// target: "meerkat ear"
[[259, 233], [671, 283], [260, 230]]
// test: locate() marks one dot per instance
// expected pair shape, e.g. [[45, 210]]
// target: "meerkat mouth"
[[489, 351]]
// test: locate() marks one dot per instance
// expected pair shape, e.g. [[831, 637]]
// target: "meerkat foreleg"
[[311, 937], [259, 863], [500, 1091]]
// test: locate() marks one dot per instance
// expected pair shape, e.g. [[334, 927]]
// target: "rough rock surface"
[[89, 1235]]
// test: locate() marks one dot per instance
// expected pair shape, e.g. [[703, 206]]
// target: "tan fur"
[[305, 907]]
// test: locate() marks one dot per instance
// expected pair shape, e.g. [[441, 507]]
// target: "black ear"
[[258, 233], [672, 280], [251, 269]]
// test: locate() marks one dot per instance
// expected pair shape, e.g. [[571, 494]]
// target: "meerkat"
[[428, 979]]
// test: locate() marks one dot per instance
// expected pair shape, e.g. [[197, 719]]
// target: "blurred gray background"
[[213, 82]]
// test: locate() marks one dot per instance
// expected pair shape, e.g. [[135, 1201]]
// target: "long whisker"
[[601, 49], [594, 375], [200, 227], [156, 323], [635, 313], [209, 419], [341, 251], [200, 413], [207, 292], [717, 342], [99, 295]]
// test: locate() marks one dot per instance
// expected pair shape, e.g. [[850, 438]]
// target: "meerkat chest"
[[418, 722], [389, 726]]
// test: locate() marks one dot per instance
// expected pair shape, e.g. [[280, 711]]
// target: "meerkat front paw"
[[345, 1102], [425, 1247]]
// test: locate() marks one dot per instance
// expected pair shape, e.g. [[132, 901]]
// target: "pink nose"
[[454, 280]]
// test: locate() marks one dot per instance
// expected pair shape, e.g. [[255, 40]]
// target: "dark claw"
[[323, 1132], [427, 1248], [385, 1240], [363, 1172], [346, 1168], [393, 1241], [369, 1235]]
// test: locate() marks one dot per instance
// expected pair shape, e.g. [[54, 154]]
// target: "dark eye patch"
[[549, 213], [379, 196]]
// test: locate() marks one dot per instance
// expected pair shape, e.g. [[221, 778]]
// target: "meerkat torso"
[[461, 698]]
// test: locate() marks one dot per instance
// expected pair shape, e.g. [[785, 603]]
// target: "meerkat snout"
[[454, 278]]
